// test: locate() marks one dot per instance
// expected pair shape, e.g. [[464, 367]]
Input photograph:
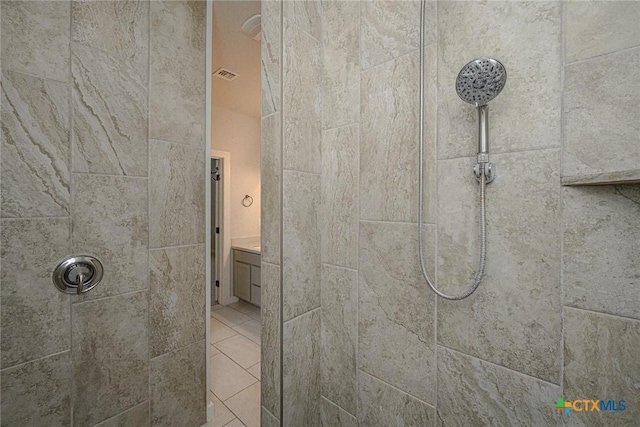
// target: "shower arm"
[[483, 166]]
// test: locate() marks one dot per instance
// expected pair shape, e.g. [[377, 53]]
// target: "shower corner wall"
[[364, 340]]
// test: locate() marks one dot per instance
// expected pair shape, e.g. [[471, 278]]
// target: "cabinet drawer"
[[242, 280], [255, 295], [255, 276], [246, 257]]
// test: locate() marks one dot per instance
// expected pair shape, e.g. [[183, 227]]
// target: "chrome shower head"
[[480, 81]]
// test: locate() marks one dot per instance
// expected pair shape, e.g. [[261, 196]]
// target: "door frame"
[[225, 296], [207, 196]]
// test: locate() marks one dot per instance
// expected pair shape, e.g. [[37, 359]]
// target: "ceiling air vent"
[[225, 74]]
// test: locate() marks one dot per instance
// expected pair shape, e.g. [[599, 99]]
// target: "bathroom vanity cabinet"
[[246, 276]]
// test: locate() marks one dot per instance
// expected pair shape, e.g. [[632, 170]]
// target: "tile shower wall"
[[103, 113], [559, 300], [271, 212]]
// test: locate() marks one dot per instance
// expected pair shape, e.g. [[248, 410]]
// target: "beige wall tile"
[[392, 28], [176, 194], [110, 114], [176, 298], [38, 392], [301, 370], [595, 28], [306, 15], [383, 405], [389, 141], [301, 243], [271, 175], [491, 394], [177, 69], [271, 56], [35, 146], [109, 221], [514, 318], [600, 122], [339, 208], [110, 356], [430, 137], [341, 63], [178, 387], [270, 337], [136, 416], [118, 28], [332, 415], [35, 38], [302, 100], [339, 337], [268, 420], [601, 227], [35, 315], [396, 309], [525, 37], [601, 361]]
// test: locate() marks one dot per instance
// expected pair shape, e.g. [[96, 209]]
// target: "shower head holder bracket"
[[484, 167]]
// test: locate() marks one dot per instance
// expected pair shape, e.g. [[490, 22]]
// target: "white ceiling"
[[237, 52]]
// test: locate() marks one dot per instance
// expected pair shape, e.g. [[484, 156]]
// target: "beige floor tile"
[[250, 329], [228, 378], [235, 423], [221, 414], [246, 405], [229, 316], [241, 350], [255, 370], [214, 350], [220, 331], [216, 307], [246, 308]]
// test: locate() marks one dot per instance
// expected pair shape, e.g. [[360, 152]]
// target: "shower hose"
[[483, 185]]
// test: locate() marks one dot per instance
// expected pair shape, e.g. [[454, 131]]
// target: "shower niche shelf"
[[603, 178]]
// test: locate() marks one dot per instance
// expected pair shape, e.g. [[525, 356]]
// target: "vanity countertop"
[[254, 249]]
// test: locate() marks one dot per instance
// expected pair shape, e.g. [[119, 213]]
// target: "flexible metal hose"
[[483, 185]]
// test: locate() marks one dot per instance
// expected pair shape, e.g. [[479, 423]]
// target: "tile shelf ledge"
[[603, 178]]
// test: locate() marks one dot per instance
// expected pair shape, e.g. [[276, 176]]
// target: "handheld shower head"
[[480, 81]]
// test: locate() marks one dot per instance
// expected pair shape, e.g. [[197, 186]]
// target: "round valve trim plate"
[[67, 274]]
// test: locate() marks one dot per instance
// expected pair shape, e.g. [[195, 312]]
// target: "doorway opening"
[[234, 211]]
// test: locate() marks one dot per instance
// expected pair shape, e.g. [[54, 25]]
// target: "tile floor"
[[235, 365]]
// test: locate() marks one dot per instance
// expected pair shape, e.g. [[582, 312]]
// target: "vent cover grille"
[[225, 74]]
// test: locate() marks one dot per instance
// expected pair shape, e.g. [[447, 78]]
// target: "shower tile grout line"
[[71, 210], [498, 365], [563, 53], [112, 175], [338, 127], [86, 301], [500, 153], [359, 216], [322, 396], [149, 391], [601, 313], [596, 57], [35, 218], [35, 360], [397, 389], [436, 199]]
